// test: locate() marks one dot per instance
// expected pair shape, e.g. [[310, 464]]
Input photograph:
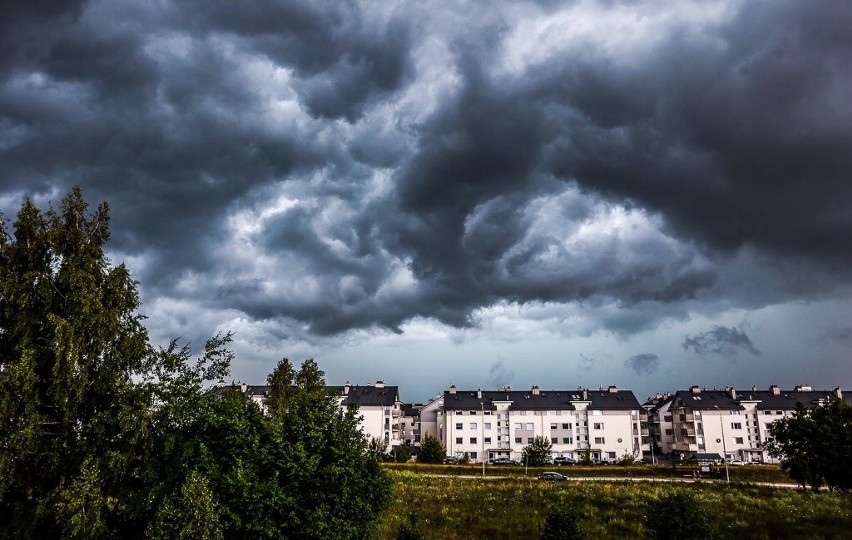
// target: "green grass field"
[[515, 507]]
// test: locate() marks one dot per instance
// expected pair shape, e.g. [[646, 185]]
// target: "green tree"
[[71, 417], [403, 453], [537, 453], [194, 514], [678, 515], [815, 445], [431, 450]]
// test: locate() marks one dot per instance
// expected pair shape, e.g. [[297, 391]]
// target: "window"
[[566, 440], [486, 440], [610, 455], [518, 425], [566, 426], [473, 440], [554, 440], [768, 425], [669, 432], [553, 425], [736, 425], [530, 426], [459, 426], [598, 425], [738, 440], [529, 440], [518, 440], [486, 425], [473, 455], [458, 440], [473, 425], [599, 440]]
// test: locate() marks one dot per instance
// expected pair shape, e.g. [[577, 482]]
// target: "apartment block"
[[606, 424], [379, 407], [733, 423]]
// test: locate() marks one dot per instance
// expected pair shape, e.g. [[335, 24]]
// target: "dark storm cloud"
[[428, 177], [720, 340], [643, 364]]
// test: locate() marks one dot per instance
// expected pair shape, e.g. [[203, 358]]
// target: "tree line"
[[104, 435]]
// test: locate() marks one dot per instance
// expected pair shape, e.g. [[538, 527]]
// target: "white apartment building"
[[733, 423], [486, 425], [379, 407]]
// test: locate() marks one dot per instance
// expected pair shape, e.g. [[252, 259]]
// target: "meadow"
[[454, 507]]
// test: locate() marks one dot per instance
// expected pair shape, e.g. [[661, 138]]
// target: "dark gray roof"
[[765, 399], [553, 400], [250, 389], [366, 395]]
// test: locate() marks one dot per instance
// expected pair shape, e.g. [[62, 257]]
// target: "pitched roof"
[[468, 400], [765, 399], [366, 396]]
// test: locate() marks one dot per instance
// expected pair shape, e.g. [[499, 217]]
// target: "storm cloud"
[[643, 364], [312, 170], [720, 340]]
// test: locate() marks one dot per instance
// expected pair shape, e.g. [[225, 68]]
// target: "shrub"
[[678, 516]]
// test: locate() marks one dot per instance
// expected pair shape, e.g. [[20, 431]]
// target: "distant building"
[[735, 423], [604, 424], [378, 405]]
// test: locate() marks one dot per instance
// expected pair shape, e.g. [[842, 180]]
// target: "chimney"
[[776, 391], [452, 389], [380, 384], [243, 387], [753, 388], [733, 393], [346, 389], [838, 393], [479, 394], [695, 389], [613, 389], [220, 383], [535, 391], [585, 395]]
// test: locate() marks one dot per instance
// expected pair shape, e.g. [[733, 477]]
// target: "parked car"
[[737, 462], [562, 460], [553, 476], [450, 460], [504, 461]]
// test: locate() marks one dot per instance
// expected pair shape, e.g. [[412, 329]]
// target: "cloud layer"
[[309, 170]]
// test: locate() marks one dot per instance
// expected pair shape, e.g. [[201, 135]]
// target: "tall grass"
[[508, 508]]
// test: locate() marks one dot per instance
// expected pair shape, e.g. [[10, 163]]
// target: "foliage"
[[403, 454], [431, 450], [678, 516], [102, 436], [537, 453], [815, 445], [562, 523], [72, 420], [194, 514]]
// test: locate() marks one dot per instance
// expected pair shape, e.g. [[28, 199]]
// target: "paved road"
[[623, 479]]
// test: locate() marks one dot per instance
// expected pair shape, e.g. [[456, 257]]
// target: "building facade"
[[735, 423], [605, 425]]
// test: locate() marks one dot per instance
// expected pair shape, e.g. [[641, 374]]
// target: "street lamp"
[[724, 444]]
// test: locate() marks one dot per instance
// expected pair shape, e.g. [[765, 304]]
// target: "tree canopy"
[[815, 445], [537, 453], [103, 435], [431, 450]]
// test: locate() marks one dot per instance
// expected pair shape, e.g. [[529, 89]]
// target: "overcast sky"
[[581, 193]]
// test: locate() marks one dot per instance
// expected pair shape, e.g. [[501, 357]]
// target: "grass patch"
[[516, 507]]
